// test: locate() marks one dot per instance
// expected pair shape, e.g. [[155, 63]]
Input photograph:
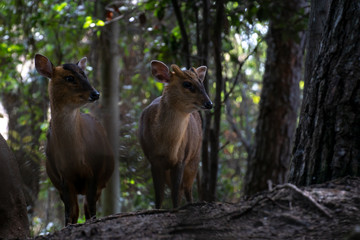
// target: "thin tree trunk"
[[214, 134], [184, 36], [198, 63], [110, 109], [327, 144], [207, 116], [279, 101]]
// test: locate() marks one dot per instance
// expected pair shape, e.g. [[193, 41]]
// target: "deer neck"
[[65, 125]]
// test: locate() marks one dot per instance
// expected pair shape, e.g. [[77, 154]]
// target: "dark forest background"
[[283, 76]]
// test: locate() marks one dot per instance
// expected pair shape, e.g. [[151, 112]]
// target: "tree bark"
[[207, 115], [184, 36], [279, 100], [327, 144], [215, 131], [317, 18], [110, 109]]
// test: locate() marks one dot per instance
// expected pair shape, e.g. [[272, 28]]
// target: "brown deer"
[[170, 130], [14, 222], [79, 157]]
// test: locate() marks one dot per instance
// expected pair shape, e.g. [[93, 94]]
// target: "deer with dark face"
[[170, 130], [79, 157]]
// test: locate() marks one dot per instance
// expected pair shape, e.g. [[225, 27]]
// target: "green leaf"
[[44, 126], [256, 99], [27, 139], [159, 85], [59, 7], [88, 21], [301, 85], [100, 23]]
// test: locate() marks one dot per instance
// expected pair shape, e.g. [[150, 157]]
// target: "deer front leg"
[[90, 200], [69, 197], [176, 174], [158, 175]]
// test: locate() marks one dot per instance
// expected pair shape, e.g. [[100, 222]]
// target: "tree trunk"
[[184, 35], [279, 100], [207, 115], [110, 109], [215, 131], [317, 18], [327, 144]]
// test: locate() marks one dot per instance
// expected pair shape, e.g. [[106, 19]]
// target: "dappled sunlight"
[[3, 122]]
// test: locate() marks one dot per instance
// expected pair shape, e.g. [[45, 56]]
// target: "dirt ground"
[[325, 211]]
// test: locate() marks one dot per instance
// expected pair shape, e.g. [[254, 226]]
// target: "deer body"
[[79, 156], [171, 132], [14, 219]]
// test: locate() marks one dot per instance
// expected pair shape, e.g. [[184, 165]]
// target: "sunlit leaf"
[[256, 99], [88, 21], [44, 126], [59, 7], [301, 85], [27, 139], [159, 85], [100, 23]]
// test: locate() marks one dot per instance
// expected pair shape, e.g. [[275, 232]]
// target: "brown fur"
[[170, 131], [14, 222], [79, 156]]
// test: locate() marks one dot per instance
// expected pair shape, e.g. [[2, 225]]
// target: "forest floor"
[[325, 211]]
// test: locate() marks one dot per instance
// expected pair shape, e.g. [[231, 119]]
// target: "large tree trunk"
[[317, 18], [327, 144], [110, 109], [279, 100]]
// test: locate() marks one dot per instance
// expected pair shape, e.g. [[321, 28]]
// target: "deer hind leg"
[[188, 194], [69, 197], [158, 175], [190, 173]]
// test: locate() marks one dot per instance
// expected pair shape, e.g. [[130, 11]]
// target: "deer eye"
[[188, 85], [70, 79]]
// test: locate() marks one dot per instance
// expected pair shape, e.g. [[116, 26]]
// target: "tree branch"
[[230, 119], [184, 35], [241, 64], [307, 196]]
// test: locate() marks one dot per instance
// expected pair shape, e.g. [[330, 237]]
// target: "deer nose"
[[208, 105], [94, 95]]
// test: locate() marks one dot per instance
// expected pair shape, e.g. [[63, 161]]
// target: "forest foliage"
[[65, 31]]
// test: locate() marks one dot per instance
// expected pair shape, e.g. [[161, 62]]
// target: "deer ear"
[[43, 66], [160, 71], [82, 63], [201, 72]]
